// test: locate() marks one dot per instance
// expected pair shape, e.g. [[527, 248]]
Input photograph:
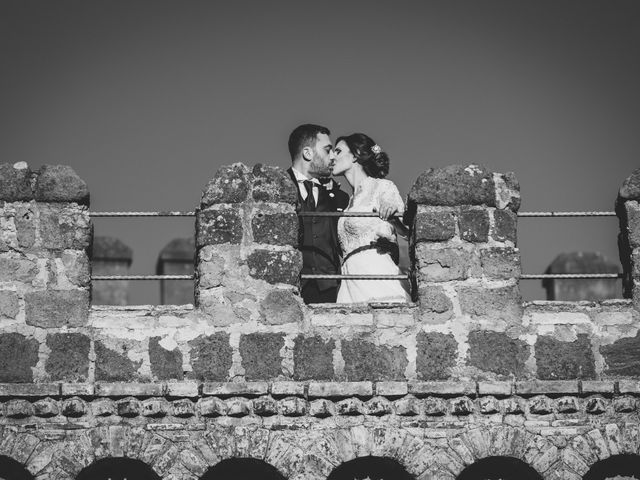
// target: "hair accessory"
[[376, 149]]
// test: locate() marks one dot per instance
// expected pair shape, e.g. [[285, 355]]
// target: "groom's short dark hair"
[[302, 136]]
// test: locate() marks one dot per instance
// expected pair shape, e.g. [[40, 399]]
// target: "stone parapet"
[[247, 263], [628, 211], [463, 244], [45, 234]]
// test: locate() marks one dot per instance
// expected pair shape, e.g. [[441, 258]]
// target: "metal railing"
[[552, 214]]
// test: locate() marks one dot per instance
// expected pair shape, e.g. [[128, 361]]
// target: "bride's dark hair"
[[374, 161]]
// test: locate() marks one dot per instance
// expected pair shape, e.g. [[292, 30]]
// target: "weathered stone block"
[[273, 184], [212, 407], [436, 356], [211, 356], [282, 266], [504, 303], [434, 407], [265, 406], [454, 185], [64, 227], [210, 268], [408, 406], [435, 304], [183, 408], [474, 225], [9, 306], [260, 354], [461, 406], [46, 408], [558, 360], [446, 264], [540, 405], [275, 228], [632, 212], [340, 389], [313, 358], [218, 225], [293, 407], [235, 389], [630, 189], [155, 407], [57, 308], [18, 355], [17, 269], [238, 407], [280, 307], [74, 407], [497, 352], [25, 221], [434, 224], [18, 408], [365, 361], [112, 366], [165, 364], [59, 183], [622, 357], [595, 405], [505, 226], [15, 182], [500, 263], [69, 357], [321, 408], [129, 407], [76, 267], [230, 184], [377, 406], [507, 191]]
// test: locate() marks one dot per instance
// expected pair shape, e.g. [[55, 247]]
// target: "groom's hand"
[[386, 211]]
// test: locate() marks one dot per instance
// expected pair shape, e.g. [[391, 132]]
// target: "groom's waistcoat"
[[318, 240]]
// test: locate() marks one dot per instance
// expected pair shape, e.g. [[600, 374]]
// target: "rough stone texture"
[[218, 225], [435, 304], [630, 189], [25, 220], [63, 227], [69, 357], [434, 224], [365, 361], [557, 360], [632, 221], [507, 191], [275, 228], [497, 352], [75, 268], [59, 183], [474, 225], [260, 354], [445, 264], [437, 354], [280, 307], [505, 228], [275, 266], [313, 358], [500, 263], [273, 184], [503, 303], [230, 184], [57, 308], [18, 355], [15, 183], [454, 185], [211, 356], [113, 366], [9, 307], [622, 357], [17, 269], [165, 364]]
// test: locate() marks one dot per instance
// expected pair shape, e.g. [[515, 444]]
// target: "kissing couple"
[[347, 245]]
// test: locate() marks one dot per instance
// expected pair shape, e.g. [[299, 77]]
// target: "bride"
[[368, 244]]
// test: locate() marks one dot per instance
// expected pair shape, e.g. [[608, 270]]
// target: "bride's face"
[[344, 158]]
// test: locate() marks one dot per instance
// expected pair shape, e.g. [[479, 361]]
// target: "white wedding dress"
[[356, 232]]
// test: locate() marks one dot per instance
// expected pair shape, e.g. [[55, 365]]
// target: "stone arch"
[[237, 468], [11, 469], [117, 469], [624, 465], [370, 467], [504, 468]]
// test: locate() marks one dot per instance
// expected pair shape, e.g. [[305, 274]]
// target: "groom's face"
[[322, 157]]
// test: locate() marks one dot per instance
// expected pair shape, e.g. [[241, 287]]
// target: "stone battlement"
[[466, 354]]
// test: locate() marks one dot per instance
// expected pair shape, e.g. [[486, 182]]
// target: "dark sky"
[[146, 99]]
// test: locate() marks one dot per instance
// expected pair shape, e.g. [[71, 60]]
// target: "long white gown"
[[355, 232]]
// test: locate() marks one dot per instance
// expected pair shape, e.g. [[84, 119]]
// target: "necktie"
[[309, 201]]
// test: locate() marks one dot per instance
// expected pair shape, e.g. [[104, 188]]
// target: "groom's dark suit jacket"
[[318, 235]]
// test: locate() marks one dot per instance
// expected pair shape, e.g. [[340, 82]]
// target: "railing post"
[[110, 257], [247, 264], [463, 244], [45, 235], [628, 211]]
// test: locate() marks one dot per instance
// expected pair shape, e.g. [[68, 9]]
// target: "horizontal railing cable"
[[569, 276], [142, 214], [142, 277], [566, 214], [310, 276]]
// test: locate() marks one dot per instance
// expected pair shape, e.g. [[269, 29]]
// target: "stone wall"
[[465, 372]]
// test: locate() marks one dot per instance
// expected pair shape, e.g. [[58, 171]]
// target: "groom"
[[312, 158]]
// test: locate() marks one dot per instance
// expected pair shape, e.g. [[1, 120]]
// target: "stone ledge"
[[29, 389], [547, 387], [125, 389], [421, 389], [597, 386], [230, 389], [340, 389]]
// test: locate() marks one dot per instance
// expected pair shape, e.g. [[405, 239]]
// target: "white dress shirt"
[[300, 178]]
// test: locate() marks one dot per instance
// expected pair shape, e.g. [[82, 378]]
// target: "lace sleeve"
[[388, 194]]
